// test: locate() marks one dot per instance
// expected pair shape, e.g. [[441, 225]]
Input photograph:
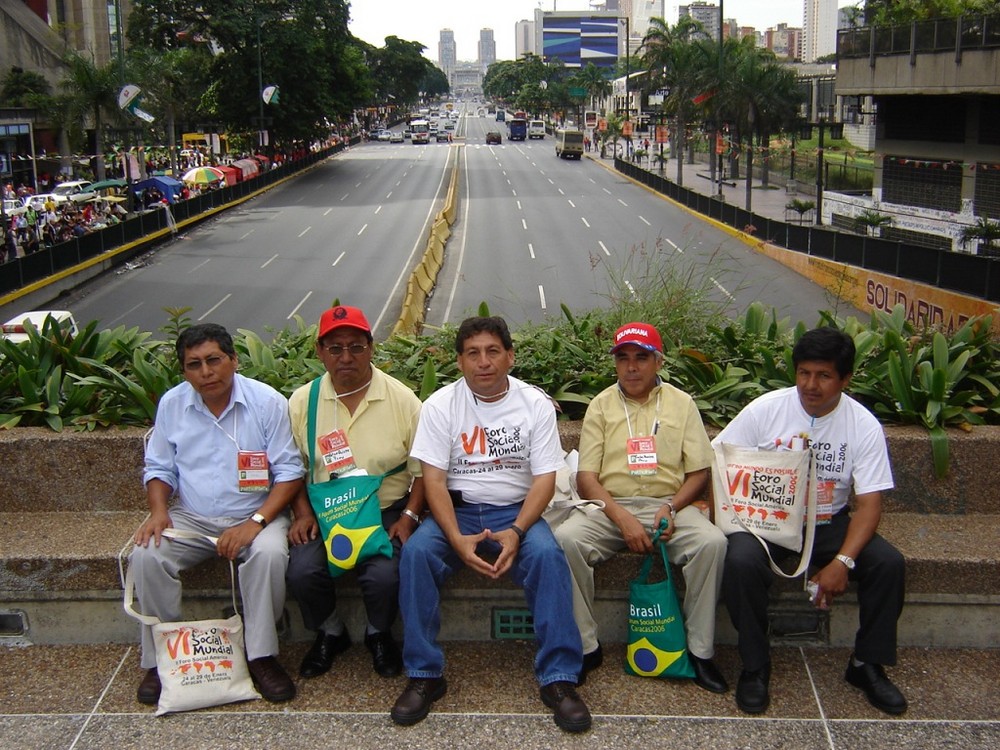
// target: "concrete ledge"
[[102, 471]]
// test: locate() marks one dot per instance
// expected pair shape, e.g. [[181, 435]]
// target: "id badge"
[[641, 453], [824, 501], [337, 456], [252, 471]]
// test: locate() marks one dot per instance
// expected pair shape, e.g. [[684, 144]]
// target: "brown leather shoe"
[[149, 688], [571, 713], [271, 680], [415, 702]]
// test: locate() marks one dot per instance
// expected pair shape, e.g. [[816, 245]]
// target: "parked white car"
[[13, 330], [13, 207]]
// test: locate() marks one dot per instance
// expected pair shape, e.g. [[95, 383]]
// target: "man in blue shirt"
[[222, 446]]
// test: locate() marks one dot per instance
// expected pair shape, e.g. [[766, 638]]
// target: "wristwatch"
[[258, 518], [518, 530], [848, 561]]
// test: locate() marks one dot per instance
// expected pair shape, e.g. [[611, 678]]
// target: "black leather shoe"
[[591, 662], [751, 690], [571, 712], [386, 659], [271, 679], [707, 675], [319, 658], [149, 688], [878, 688], [415, 702]]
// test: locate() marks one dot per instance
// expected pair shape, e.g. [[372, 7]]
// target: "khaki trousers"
[[697, 545]]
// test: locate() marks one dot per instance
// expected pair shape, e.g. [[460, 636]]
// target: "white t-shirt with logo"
[[848, 443], [491, 451]]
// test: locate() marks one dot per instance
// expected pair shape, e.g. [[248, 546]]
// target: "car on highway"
[[442, 136], [396, 136], [75, 190], [493, 137], [14, 329], [384, 135]]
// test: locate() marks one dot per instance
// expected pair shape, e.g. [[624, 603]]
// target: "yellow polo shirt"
[[380, 432], [682, 445]]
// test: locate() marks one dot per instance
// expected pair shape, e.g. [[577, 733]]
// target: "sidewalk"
[[76, 697]]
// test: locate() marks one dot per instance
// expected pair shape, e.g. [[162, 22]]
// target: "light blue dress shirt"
[[196, 454]]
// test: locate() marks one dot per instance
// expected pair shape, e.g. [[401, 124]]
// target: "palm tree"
[[92, 93], [676, 62], [594, 80]]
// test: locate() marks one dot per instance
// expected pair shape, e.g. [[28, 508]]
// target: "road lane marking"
[[606, 191], [207, 260], [551, 181], [524, 224], [327, 212], [344, 196], [623, 202], [631, 288], [215, 307], [378, 209], [388, 196], [302, 302], [519, 206], [672, 244], [268, 261], [604, 248], [531, 251], [560, 191], [303, 232], [362, 229], [246, 235], [571, 203], [339, 257], [722, 288], [541, 295], [643, 220], [585, 222]]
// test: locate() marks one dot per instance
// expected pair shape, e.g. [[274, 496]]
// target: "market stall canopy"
[[108, 185], [170, 187], [232, 175], [249, 167], [203, 176]]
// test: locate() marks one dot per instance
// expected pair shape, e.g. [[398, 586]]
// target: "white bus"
[[421, 131]]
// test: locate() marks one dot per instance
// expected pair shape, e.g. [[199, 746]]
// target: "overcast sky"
[[374, 20]]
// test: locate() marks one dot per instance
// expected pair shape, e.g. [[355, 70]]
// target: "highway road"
[[533, 231]]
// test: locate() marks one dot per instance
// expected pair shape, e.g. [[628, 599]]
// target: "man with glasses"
[[366, 420], [222, 444], [645, 453]]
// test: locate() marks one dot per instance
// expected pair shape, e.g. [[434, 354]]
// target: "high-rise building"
[[784, 41], [819, 32], [447, 56], [707, 14], [487, 49], [524, 39]]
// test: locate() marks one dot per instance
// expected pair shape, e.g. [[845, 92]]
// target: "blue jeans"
[[428, 560]]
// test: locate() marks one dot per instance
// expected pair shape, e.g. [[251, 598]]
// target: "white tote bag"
[[566, 498], [770, 494], [201, 663]]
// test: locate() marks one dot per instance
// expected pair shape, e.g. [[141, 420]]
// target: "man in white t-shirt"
[[850, 451], [489, 451]]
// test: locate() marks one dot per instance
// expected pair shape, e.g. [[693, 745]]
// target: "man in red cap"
[[366, 420], [645, 453]]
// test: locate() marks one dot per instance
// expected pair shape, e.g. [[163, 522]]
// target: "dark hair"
[[199, 334], [472, 326], [826, 345]]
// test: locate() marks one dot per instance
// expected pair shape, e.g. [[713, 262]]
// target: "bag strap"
[[129, 585], [807, 545], [647, 564], [311, 425]]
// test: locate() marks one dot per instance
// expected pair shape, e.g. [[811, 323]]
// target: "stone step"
[[60, 572]]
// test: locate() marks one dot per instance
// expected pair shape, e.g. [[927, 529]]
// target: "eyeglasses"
[[356, 350], [193, 365]]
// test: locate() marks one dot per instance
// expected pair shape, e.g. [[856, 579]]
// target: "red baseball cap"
[[341, 317], [640, 334]]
